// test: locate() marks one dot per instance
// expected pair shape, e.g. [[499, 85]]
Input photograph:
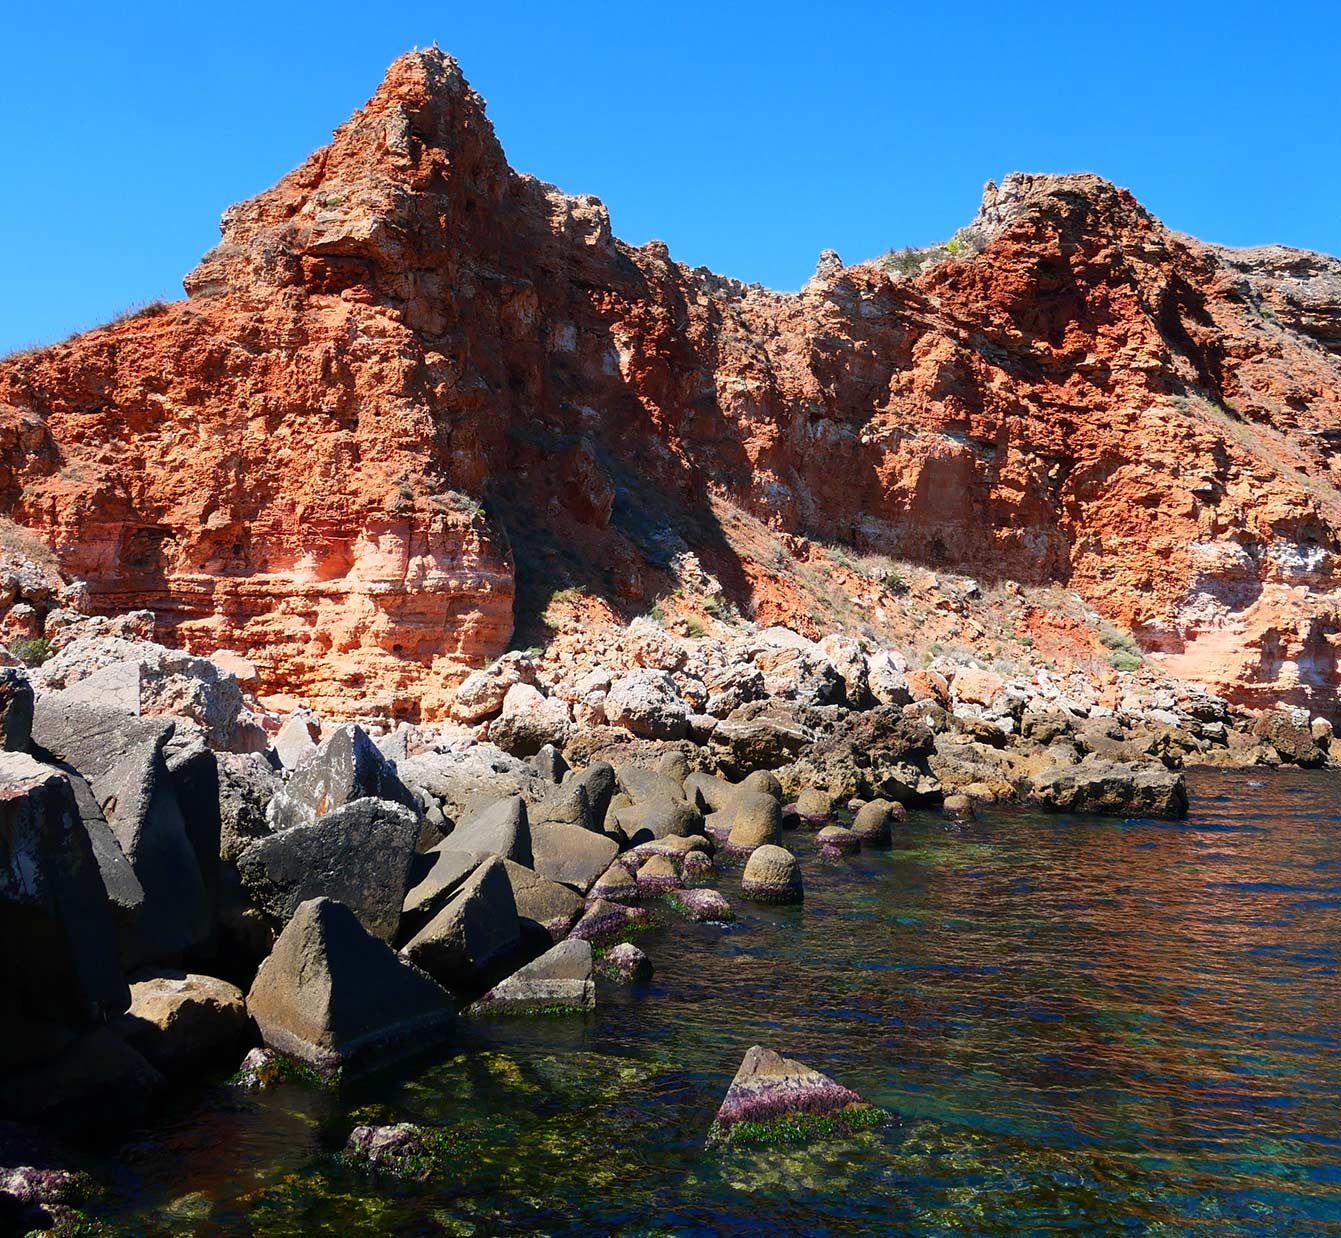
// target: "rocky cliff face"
[[410, 387]]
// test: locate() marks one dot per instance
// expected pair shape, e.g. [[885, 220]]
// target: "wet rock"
[[359, 854], [702, 905], [626, 963], [571, 856], [404, 1150], [775, 1099], [344, 768], [59, 960], [475, 932], [697, 866], [560, 980], [756, 821], [260, 1069], [657, 875], [182, 1023], [772, 875], [837, 839], [616, 885], [603, 920], [333, 995], [873, 823], [501, 828], [958, 808]]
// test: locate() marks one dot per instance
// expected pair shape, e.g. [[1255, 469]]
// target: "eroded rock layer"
[[409, 380]]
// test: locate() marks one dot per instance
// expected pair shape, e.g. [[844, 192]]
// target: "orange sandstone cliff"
[[412, 392]]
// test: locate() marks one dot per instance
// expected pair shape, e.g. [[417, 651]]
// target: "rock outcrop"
[[411, 385]]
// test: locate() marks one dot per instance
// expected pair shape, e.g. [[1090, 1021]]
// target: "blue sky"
[[747, 136]]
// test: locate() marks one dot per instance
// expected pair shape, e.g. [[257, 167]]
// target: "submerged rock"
[[404, 1149], [626, 963], [774, 1099], [559, 981], [702, 905]]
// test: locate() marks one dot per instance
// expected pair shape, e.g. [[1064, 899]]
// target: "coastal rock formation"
[[411, 386]]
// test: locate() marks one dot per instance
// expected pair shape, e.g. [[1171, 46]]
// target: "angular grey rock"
[[435, 876], [344, 768], [298, 738], [59, 960], [646, 702], [333, 995], [567, 805], [549, 764], [571, 856], [657, 819], [542, 903], [641, 784], [501, 829], [16, 709], [358, 854], [751, 738], [599, 781], [247, 783], [616, 885], [480, 772], [473, 934], [559, 980]]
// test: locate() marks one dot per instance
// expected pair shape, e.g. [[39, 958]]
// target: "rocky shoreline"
[[198, 881]]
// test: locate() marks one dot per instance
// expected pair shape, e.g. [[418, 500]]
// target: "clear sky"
[[748, 136]]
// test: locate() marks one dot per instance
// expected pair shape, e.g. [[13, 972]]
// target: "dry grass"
[[24, 543]]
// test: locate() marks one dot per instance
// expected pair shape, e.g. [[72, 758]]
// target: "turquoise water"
[[1079, 1026]]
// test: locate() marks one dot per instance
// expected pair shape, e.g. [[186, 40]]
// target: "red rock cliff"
[[409, 382]]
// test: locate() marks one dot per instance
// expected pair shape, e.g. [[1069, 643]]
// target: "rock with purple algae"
[[772, 875], [558, 982], [696, 866], [756, 822], [404, 1150], [616, 884], [873, 822], [838, 839], [702, 905], [657, 875], [815, 806], [775, 1100], [261, 1069], [604, 920], [626, 963]]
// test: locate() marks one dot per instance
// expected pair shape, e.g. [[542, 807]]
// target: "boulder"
[[88, 1085], [849, 660], [702, 906], [774, 1099], [481, 694], [835, 840], [795, 669], [731, 686], [626, 964], [542, 904], [873, 823], [247, 783], [675, 765], [476, 931], [182, 1023], [772, 875], [756, 821], [762, 780], [751, 738], [656, 819], [647, 703], [548, 762], [958, 808], [358, 854], [815, 805], [603, 920], [435, 876], [1290, 733], [298, 738], [567, 805], [885, 678], [641, 784], [529, 721], [656, 875], [16, 710], [599, 781], [1099, 786], [616, 885], [500, 829], [559, 981], [466, 776], [59, 962], [571, 856], [333, 995], [344, 768]]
